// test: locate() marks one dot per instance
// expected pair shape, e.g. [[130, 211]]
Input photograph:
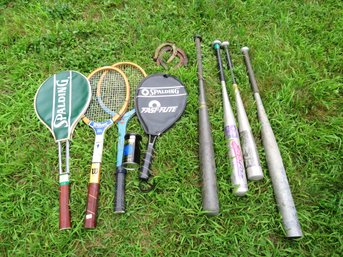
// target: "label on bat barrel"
[[250, 159], [231, 132], [236, 153]]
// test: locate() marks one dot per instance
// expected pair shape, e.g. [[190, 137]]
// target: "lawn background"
[[296, 52]]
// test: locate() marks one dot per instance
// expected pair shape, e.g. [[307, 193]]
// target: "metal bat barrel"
[[250, 153], [238, 176], [276, 168], [210, 201]]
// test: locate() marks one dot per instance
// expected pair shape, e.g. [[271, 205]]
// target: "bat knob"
[[197, 36], [225, 43], [216, 43], [245, 49]]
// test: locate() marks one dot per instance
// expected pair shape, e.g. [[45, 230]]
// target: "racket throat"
[[98, 147], [63, 175]]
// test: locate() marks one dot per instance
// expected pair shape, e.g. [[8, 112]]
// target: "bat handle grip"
[[120, 190], [64, 207], [145, 171], [92, 205]]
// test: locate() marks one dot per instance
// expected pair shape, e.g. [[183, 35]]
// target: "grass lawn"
[[296, 51]]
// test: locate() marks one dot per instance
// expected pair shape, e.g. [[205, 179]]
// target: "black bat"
[[206, 153]]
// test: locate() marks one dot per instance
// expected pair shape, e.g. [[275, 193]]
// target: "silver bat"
[[276, 168], [251, 159], [206, 153], [238, 176]]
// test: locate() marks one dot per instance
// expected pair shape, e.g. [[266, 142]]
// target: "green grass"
[[296, 50]]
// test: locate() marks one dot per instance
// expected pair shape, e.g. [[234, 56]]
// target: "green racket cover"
[[61, 101]]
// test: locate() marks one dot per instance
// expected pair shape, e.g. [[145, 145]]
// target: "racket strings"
[[135, 75], [112, 91], [94, 111]]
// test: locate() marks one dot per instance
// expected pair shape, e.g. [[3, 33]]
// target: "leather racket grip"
[[145, 171], [64, 207], [120, 190], [92, 205]]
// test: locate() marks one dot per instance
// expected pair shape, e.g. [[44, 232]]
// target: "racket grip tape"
[[92, 205], [64, 207], [120, 190], [145, 171]]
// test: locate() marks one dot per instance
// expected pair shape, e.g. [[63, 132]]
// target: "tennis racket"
[[110, 96], [160, 102], [60, 102], [134, 74]]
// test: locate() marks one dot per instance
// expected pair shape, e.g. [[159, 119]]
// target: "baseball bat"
[[250, 154], [210, 201], [276, 168], [238, 176]]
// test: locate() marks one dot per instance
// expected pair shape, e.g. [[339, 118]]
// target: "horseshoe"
[[170, 46], [179, 53]]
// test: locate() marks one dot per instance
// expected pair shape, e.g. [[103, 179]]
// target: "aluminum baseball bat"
[[238, 177], [250, 153], [276, 168], [210, 201]]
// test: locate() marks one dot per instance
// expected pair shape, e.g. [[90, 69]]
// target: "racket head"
[[135, 75], [61, 101], [110, 95], [160, 101]]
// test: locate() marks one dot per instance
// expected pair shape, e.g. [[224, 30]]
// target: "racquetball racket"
[[161, 100], [110, 96], [135, 75], [60, 103]]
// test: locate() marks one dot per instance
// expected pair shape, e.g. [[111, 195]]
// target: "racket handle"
[[64, 207], [120, 190], [145, 171], [92, 205]]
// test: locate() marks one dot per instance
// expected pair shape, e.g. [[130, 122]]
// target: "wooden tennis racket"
[[60, 103], [110, 97]]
